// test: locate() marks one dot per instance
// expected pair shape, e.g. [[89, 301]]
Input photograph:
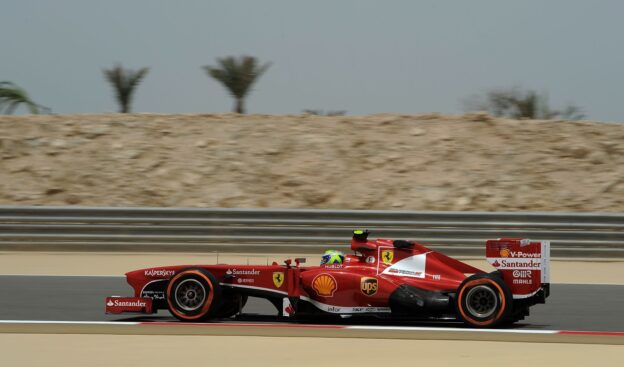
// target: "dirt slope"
[[421, 162]]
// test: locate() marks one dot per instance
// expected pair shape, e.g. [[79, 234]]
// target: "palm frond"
[[517, 103], [11, 96], [237, 75], [124, 82]]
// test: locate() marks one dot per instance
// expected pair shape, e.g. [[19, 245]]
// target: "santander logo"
[[118, 303], [515, 263], [519, 263]]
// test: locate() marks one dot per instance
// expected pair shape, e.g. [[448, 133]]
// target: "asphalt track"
[[582, 307]]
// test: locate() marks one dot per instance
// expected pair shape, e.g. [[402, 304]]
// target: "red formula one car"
[[395, 280]]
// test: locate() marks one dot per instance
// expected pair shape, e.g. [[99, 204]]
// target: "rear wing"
[[524, 265]]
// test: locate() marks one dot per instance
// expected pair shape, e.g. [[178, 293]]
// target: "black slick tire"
[[484, 301], [193, 295]]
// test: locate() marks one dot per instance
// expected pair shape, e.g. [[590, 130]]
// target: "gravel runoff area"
[[386, 161], [80, 263], [118, 350]]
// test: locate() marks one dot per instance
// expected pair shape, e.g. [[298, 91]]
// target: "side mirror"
[[300, 260]]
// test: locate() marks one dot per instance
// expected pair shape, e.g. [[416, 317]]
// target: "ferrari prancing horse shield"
[[387, 256], [278, 278]]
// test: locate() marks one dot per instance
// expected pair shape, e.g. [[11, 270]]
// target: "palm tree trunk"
[[240, 106], [124, 106], [11, 108]]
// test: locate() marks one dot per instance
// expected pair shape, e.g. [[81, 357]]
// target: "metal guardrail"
[[297, 231]]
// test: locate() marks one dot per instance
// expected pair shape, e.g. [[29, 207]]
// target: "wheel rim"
[[190, 294], [481, 301]]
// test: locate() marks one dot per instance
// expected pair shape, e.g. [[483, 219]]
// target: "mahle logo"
[[368, 286]]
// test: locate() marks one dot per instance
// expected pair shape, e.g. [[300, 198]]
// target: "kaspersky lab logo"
[[159, 273]]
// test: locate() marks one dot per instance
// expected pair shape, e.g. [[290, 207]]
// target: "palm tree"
[[124, 81], [517, 103], [11, 96], [237, 75]]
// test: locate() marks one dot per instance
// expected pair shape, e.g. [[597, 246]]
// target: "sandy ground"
[[415, 162], [19, 350], [59, 263], [426, 162]]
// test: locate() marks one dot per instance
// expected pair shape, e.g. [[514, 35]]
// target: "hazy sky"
[[361, 56]]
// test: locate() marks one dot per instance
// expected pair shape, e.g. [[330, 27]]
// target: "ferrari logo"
[[387, 256], [278, 278]]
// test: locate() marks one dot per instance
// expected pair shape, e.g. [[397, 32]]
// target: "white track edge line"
[[348, 327], [441, 329], [51, 322]]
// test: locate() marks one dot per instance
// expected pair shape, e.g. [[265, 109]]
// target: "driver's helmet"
[[331, 257]]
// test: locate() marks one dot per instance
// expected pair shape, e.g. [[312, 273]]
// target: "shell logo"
[[324, 285], [504, 252]]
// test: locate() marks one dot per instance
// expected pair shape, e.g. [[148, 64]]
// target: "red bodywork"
[[364, 283]]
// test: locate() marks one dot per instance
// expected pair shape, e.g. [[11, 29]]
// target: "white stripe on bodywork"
[[521, 296], [252, 287], [545, 261], [150, 282], [344, 309], [411, 267]]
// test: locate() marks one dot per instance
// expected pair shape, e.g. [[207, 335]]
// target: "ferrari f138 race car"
[[388, 279]]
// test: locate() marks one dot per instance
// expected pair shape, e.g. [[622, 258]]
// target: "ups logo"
[[368, 286]]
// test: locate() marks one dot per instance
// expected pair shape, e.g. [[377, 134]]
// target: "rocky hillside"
[[401, 162]]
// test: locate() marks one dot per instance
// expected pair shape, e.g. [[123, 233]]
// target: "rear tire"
[[484, 300], [192, 295]]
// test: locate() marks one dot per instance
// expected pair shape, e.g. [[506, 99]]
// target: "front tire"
[[484, 300], [192, 295]]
